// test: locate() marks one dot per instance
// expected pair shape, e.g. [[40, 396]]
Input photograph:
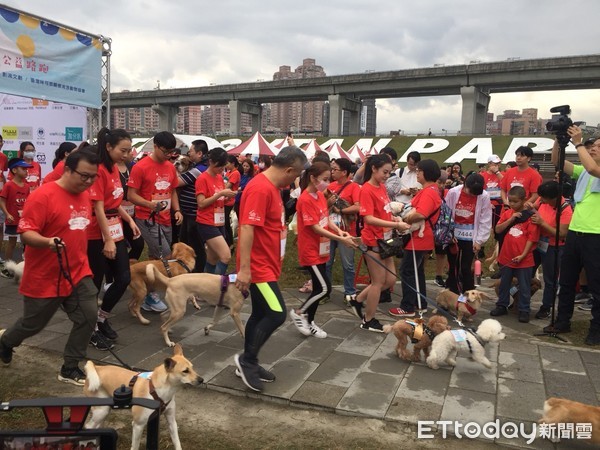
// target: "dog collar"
[[471, 310], [152, 390]]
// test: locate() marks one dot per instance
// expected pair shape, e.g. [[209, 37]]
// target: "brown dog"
[[536, 285], [471, 302], [420, 334], [560, 410], [182, 253], [212, 289], [165, 380]]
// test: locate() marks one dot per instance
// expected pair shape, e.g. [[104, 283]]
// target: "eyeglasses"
[[335, 169], [86, 176], [165, 151]]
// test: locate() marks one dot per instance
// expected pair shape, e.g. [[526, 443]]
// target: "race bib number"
[[219, 216], [128, 207], [542, 244], [463, 232], [324, 246], [115, 229], [336, 218], [459, 335], [494, 193]]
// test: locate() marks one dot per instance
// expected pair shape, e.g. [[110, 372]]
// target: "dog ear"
[[177, 350], [484, 296], [169, 364]]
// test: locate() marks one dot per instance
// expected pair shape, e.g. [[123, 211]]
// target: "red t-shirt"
[[107, 188], [351, 194], [213, 214], [548, 213], [15, 197], [3, 168], [56, 173], [514, 241], [234, 177], [53, 211], [491, 183], [34, 176], [154, 182], [464, 216], [313, 249], [427, 202], [375, 202], [529, 179], [262, 207]]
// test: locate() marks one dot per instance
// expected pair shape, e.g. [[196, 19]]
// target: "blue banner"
[[41, 60]]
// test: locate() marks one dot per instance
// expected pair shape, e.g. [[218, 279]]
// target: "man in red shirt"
[[261, 247], [54, 220], [522, 175]]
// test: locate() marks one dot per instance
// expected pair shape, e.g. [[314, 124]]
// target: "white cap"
[[494, 159]]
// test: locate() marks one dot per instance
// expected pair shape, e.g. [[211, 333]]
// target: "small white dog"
[[446, 344], [402, 210], [16, 269]]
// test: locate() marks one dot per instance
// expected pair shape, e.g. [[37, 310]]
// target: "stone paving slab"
[[567, 385], [423, 384], [520, 400], [291, 375], [315, 350], [561, 360], [511, 346], [469, 406], [469, 375], [371, 394], [313, 394], [518, 366], [404, 409], [340, 369]]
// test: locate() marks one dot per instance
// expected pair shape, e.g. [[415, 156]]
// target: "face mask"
[[261, 165], [322, 186], [29, 155]]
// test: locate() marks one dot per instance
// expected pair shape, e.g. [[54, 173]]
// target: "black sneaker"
[[106, 330], [439, 281], [556, 329], [523, 316], [385, 296], [5, 352], [499, 311], [74, 376], [593, 338], [583, 297], [543, 313], [356, 307], [587, 306], [100, 342], [372, 325], [263, 374], [248, 373]]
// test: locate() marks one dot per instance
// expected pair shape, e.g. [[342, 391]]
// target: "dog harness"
[[418, 330], [226, 280], [463, 300], [166, 263], [147, 375]]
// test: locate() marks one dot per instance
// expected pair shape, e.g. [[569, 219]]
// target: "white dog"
[[402, 210], [445, 345], [15, 268]]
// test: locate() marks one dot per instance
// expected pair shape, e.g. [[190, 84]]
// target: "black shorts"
[[208, 232], [10, 230]]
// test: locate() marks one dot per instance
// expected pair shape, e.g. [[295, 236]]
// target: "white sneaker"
[[348, 298], [301, 322], [316, 331]]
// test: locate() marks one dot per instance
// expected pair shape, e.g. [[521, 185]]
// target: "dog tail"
[[91, 377], [14, 268], [153, 274], [387, 329]]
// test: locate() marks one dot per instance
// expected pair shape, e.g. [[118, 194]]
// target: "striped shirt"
[[187, 193]]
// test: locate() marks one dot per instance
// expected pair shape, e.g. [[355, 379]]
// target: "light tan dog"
[[420, 334], [165, 380], [207, 287], [561, 410], [463, 309], [183, 164], [536, 285], [182, 253]]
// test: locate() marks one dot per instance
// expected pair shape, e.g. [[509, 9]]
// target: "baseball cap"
[[494, 159], [17, 162]]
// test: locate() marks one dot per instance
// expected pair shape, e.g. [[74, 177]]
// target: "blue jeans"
[[347, 256], [523, 277], [548, 269]]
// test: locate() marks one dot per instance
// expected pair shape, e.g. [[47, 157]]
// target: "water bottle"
[[477, 272]]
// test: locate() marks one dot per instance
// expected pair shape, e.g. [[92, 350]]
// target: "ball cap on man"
[[18, 162], [494, 159]]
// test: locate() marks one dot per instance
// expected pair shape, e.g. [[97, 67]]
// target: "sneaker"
[[399, 312], [74, 376], [248, 373], [586, 307], [316, 331], [152, 302], [100, 342], [524, 316], [5, 352], [356, 307], [264, 375], [583, 297], [556, 329], [106, 330], [348, 298], [372, 325], [543, 313], [499, 311], [593, 338], [439, 281], [306, 287], [6, 274], [301, 322], [385, 296]]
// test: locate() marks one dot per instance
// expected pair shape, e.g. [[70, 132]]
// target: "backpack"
[[443, 229]]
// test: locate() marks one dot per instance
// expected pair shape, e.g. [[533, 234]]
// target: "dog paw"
[[451, 362]]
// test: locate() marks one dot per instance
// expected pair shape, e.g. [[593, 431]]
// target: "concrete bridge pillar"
[[337, 105], [474, 110], [236, 108], [167, 117]]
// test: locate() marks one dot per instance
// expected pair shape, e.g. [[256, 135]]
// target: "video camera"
[[561, 123]]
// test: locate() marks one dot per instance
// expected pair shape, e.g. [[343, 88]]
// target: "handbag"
[[340, 203], [393, 246]]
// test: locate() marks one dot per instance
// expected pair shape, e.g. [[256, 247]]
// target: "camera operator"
[[583, 238]]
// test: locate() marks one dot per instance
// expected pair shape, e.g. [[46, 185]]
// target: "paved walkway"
[[356, 372]]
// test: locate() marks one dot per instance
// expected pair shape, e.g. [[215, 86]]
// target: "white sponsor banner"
[[46, 124]]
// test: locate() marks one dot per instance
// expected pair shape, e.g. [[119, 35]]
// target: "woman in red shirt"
[[107, 247], [379, 223], [211, 194], [315, 231], [232, 179]]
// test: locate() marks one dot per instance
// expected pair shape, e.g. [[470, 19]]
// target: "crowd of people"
[[94, 213]]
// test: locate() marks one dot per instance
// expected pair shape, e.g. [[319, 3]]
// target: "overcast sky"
[[195, 43]]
